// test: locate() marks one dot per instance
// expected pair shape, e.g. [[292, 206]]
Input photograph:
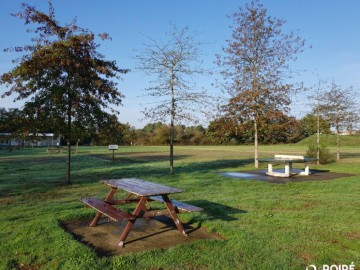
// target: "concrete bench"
[[288, 160]]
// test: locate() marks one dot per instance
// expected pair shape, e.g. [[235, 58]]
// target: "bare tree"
[[174, 62], [256, 66], [315, 99], [339, 108]]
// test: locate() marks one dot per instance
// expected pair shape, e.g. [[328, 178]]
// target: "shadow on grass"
[[45, 174], [133, 168], [213, 165], [214, 211], [137, 158], [348, 155]]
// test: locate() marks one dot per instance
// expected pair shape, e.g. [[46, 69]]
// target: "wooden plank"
[[184, 207], [107, 209], [98, 214], [173, 214], [140, 206], [141, 187]]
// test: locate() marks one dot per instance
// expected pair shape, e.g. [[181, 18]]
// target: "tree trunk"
[[172, 139], [77, 146], [68, 179], [10, 146], [256, 142], [337, 146], [171, 153], [256, 145], [318, 140], [172, 116]]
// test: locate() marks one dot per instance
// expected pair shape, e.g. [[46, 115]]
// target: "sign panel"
[[113, 147]]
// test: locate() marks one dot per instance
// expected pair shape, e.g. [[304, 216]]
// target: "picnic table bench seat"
[[179, 206], [115, 214], [107, 209]]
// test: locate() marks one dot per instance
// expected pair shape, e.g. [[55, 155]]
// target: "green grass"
[[330, 140], [265, 226]]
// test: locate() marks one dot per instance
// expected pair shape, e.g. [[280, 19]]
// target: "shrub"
[[325, 155]]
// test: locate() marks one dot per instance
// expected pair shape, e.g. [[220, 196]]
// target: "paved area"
[[146, 234], [316, 175]]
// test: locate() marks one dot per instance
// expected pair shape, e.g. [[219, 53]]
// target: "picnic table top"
[[140, 187], [295, 160]]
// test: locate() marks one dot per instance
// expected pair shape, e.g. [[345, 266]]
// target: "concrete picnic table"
[[288, 160], [141, 193]]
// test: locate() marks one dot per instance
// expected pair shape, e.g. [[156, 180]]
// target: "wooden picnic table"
[[57, 150], [141, 193]]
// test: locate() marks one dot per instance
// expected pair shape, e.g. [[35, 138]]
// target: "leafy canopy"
[[61, 74]]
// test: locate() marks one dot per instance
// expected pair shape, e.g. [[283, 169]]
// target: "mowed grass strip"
[[265, 226]]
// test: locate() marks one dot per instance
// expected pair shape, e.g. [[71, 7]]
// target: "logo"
[[332, 267]]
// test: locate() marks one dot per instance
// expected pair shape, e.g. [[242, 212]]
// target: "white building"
[[38, 139]]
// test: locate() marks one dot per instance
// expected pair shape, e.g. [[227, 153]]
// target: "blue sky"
[[331, 27]]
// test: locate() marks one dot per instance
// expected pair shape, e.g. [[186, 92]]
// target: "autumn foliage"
[[255, 67]]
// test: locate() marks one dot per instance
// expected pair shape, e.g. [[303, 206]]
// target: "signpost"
[[113, 147]]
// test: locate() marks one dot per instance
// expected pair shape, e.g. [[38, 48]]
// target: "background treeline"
[[279, 129]]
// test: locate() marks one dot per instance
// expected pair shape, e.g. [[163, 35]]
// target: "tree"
[[174, 63], [12, 125], [275, 128], [315, 102], [113, 132], [256, 66], [221, 130], [63, 73], [195, 135], [312, 124], [278, 128], [339, 108]]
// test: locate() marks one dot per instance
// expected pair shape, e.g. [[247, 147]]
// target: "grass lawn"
[[265, 226]]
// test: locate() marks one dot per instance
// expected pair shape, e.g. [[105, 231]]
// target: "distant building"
[[346, 133], [38, 139]]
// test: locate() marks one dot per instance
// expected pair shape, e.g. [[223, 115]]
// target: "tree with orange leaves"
[[255, 66]]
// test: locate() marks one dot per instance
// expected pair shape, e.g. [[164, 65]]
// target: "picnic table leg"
[[288, 169], [270, 168], [173, 214], [140, 206], [98, 214], [307, 170]]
